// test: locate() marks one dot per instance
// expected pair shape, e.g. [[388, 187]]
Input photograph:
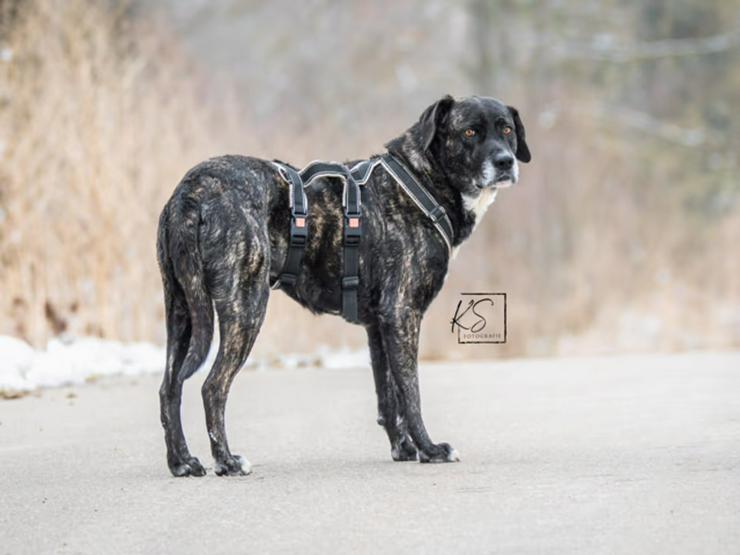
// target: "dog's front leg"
[[400, 340], [390, 411]]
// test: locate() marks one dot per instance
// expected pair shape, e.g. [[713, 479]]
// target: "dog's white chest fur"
[[479, 204]]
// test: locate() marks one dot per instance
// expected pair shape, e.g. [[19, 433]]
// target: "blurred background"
[[622, 234]]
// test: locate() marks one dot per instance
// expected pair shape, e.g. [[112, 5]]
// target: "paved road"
[[622, 455]]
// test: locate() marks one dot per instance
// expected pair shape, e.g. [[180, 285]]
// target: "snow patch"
[[71, 361], [344, 358]]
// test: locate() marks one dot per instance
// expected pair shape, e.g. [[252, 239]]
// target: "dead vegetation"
[[616, 239]]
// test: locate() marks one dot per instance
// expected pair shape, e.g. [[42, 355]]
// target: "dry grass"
[[101, 114], [99, 121]]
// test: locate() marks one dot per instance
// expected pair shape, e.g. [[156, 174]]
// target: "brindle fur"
[[222, 239]]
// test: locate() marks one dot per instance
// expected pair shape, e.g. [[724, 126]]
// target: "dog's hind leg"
[[241, 309], [189, 319], [390, 411]]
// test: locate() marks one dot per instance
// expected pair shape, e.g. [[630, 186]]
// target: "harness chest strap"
[[352, 201], [411, 186], [298, 227], [423, 198]]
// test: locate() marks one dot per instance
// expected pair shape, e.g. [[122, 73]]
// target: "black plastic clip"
[[288, 279], [351, 282], [437, 213]]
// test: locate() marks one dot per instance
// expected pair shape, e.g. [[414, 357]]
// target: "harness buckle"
[[298, 230], [288, 279], [437, 213], [352, 229], [351, 282]]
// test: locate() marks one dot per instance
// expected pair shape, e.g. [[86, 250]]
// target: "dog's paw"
[[191, 467], [404, 451], [442, 452], [234, 466]]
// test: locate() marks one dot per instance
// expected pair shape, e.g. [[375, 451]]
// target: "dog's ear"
[[432, 118], [522, 150]]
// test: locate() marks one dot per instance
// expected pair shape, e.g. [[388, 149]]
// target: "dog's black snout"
[[503, 161]]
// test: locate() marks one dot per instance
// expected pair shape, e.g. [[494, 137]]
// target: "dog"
[[223, 237]]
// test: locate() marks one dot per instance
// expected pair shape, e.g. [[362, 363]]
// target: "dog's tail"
[[188, 304]]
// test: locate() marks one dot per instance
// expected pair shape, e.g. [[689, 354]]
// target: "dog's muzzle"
[[505, 167], [499, 172]]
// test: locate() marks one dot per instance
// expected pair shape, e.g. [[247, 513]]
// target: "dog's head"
[[476, 141]]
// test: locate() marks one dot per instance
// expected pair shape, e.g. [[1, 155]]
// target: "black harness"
[[352, 203]]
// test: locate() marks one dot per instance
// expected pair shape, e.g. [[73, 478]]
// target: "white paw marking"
[[245, 464]]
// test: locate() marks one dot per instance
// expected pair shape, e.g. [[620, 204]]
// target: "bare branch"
[[604, 49], [651, 125]]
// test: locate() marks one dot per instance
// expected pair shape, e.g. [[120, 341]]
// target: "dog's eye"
[[507, 130], [469, 133]]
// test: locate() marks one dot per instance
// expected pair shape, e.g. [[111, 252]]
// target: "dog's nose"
[[503, 161]]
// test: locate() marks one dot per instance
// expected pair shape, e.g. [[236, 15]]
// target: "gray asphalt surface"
[[612, 455]]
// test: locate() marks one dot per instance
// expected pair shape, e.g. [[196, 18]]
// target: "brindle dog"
[[223, 238]]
